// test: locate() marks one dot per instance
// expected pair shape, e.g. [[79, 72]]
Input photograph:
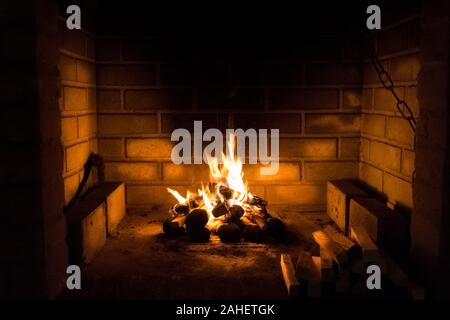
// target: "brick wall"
[[77, 102], [387, 141], [149, 86], [32, 232]]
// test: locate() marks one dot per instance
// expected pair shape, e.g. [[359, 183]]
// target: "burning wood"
[[224, 206]]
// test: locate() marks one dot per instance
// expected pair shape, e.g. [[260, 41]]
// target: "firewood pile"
[[206, 213], [343, 269]]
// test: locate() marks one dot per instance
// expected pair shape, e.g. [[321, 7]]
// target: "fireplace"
[[101, 106]]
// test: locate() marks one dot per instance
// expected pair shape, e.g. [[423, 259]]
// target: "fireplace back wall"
[[306, 85]]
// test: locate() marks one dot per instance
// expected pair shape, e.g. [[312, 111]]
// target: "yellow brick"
[[405, 68], [67, 68], [185, 172], [352, 99], [371, 176], [374, 125], [152, 195], [85, 72], [397, 190], [384, 100], [68, 128], [110, 147], [408, 162], [76, 156], [70, 187], [323, 171], [332, 123], [365, 149], [399, 130], [296, 194], [149, 148], [74, 98], [308, 148], [350, 148], [386, 156], [126, 124], [87, 126], [287, 171], [126, 171]]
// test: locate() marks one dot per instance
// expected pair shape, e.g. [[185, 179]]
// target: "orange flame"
[[229, 175]]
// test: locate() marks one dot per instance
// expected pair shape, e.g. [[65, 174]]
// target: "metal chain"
[[388, 84]]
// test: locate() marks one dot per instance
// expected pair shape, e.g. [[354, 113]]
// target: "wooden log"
[[369, 248], [275, 228], [201, 235], [339, 193], [398, 277], [219, 210], [180, 209], [315, 279], [350, 247], [386, 227], [170, 230], [288, 271], [251, 231], [178, 221], [229, 232], [414, 292], [338, 253], [196, 219], [326, 264], [342, 284], [260, 221], [304, 265]]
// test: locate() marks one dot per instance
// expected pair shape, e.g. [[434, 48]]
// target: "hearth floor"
[[139, 262]]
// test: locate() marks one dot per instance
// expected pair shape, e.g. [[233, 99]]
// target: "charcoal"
[[275, 229], [220, 210], [196, 220], [229, 232], [201, 235], [257, 201], [181, 209], [171, 231], [252, 233], [226, 192], [236, 211]]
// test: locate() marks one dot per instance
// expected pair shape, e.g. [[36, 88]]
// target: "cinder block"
[[85, 72], [386, 227], [326, 74], [86, 231], [113, 194], [339, 194]]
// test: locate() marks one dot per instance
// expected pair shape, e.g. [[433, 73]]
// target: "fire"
[[226, 184]]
